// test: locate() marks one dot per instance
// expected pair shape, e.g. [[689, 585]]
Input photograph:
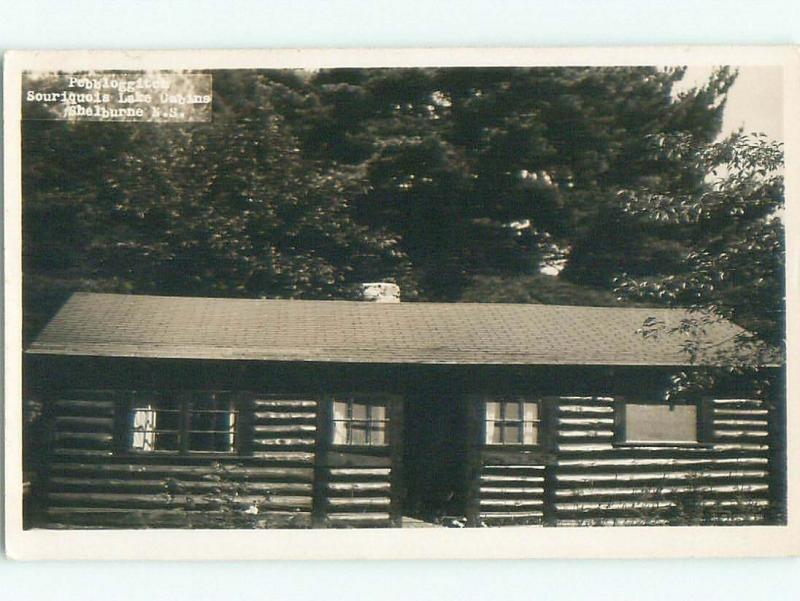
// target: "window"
[[359, 423], [202, 423], [512, 422], [658, 423]]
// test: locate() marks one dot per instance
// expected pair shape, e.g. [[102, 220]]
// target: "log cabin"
[[233, 413]]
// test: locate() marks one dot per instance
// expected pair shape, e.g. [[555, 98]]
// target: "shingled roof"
[[112, 325]]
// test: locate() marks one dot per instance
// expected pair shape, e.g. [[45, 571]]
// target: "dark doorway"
[[435, 456]]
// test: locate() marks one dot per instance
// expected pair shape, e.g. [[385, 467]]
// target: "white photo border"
[[511, 542]]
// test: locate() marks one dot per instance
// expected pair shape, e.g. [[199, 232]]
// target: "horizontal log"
[[500, 515], [737, 402], [338, 472], [614, 506], [662, 490], [359, 502], [512, 480], [88, 413], [352, 520], [93, 517], [741, 413], [259, 443], [99, 437], [184, 471], [288, 456], [84, 423], [507, 504], [87, 454], [285, 403], [358, 459], [656, 476], [343, 475], [740, 434], [588, 410], [585, 448], [511, 468], [357, 487], [669, 461], [736, 503], [638, 521], [524, 520], [515, 457], [94, 405], [746, 423], [284, 428], [740, 447], [269, 416], [588, 434], [176, 487], [587, 422], [736, 519], [505, 490], [719, 450], [133, 501]]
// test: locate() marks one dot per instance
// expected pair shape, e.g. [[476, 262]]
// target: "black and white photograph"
[[432, 297]]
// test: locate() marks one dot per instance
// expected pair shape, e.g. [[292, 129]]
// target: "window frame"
[[521, 401], [369, 401], [183, 406], [704, 423]]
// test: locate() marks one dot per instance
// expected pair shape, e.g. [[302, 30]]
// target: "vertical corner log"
[[396, 427], [549, 441], [473, 459], [777, 459], [319, 507]]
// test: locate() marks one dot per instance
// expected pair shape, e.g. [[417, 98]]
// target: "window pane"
[[202, 421], [531, 411], [339, 410], [378, 413], [511, 411], [340, 425], [492, 411], [167, 441], [169, 419], [229, 437], [494, 433], [359, 411], [340, 432], [211, 425], [661, 423], [359, 423], [143, 434], [201, 441], [377, 433], [530, 432], [358, 433], [513, 433]]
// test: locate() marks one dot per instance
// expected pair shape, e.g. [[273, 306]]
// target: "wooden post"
[[776, 405], [396, 430], [319, 508], [548, 427], [473, 458]]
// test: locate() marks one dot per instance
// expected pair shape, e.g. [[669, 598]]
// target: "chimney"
[[380, 292]]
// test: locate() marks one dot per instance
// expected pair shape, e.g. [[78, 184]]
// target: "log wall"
[[723, 480], [360, 486], [94, 481], [289, 476], [511, 494], [584, 478]]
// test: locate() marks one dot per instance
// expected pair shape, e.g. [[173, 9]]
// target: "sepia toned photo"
[[435, 298]]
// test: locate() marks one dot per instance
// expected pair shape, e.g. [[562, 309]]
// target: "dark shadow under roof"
[[112, 325]]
